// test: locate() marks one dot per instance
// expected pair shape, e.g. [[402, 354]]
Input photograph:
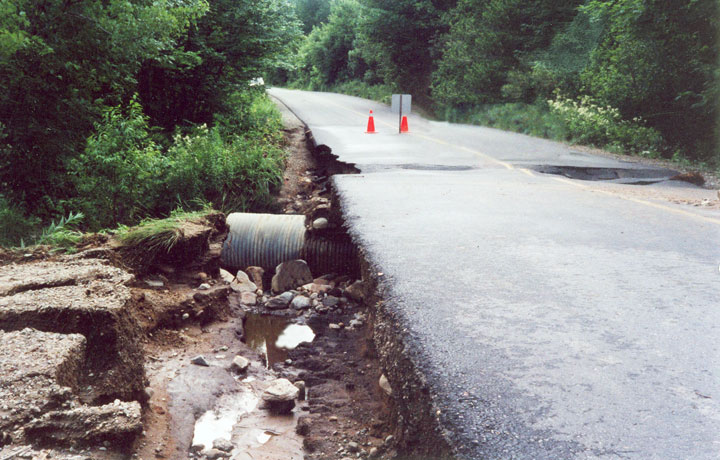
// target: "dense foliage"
[[123, 109], [639, 76]]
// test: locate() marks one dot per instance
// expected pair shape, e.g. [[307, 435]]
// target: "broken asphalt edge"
[[421, 432], [420, 428]]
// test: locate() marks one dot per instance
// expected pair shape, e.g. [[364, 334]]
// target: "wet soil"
[[345, 414]]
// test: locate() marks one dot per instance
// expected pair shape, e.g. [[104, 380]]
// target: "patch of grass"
[[158, 235]]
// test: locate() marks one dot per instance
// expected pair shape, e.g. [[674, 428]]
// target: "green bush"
[[591, 123], [15, 227], [235, 174], [380, 93], [63, 235], [532, 119], [118, 176], [124, 175]]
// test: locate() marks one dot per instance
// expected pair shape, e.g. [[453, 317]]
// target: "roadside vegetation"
[[632, 76], [116, 111]]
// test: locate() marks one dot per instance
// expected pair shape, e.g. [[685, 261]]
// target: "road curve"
[[550, 318]]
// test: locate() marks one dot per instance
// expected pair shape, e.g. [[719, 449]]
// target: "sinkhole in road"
[[632, 176], [274, 336]]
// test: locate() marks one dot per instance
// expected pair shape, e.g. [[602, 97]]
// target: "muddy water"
[[275, 336]]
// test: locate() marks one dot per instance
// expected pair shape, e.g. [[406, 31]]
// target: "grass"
[[158, 235]]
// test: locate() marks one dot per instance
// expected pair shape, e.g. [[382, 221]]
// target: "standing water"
[[274, 336]]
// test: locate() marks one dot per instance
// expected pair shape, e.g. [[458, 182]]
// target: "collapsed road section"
[[124, 352]]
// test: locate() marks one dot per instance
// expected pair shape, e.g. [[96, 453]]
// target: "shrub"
[[63, 235], [15, 227], [119, 174], [532, 119], [124, 175], [237, 174], [591, 123]]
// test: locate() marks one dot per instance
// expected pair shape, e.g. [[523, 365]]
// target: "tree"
[[398, 39], [489, 42], [659, 61], [235, 42], [63, 62], [312, 13]]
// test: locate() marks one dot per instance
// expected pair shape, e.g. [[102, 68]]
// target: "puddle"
[[274, 336], [219, 423]]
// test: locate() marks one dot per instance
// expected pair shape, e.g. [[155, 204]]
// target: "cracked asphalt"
[[552, 317]]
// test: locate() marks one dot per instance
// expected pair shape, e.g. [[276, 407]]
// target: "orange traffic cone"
[[371, 125], [404, 125]]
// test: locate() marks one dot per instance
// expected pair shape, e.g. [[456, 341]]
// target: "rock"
[[356, 324], [242, 283], [385, 385], [300, 384], [256, 275], [204, 287], [200, 360], [226, 276], [240, 364], [316, 288], [281, 301], [389, 440], [333, 418], [212, 454], [155, 283], [300, 302], [280, 396], [290, 275], [223, 445], [374, 452], [356, 291], [119, 422], [320, 223], [248, 298], [353, 447], [334, 326], [330, 301], [303, 425], [186, 316]]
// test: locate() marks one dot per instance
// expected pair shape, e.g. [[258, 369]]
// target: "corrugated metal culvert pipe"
[[266, 240]]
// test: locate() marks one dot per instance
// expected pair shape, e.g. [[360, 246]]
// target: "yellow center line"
[[530, 173]]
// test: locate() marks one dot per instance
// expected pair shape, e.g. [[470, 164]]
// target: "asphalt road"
[[554, 318]]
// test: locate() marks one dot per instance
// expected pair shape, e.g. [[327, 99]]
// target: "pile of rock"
[[294, 288]]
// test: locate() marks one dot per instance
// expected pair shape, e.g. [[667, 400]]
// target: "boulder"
[[240, 364], [316, 288], [256, 275], [248, 298], [290, 275], [242, 283], [301, 302], [280, 396], [320, 223], [223, 445], [200, 360], [356, 291], [280, 302], [330, 301]]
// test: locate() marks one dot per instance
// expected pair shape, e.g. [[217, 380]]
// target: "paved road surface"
[[554, 318]]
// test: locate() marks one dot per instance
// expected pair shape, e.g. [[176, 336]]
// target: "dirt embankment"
[[118, 353]]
